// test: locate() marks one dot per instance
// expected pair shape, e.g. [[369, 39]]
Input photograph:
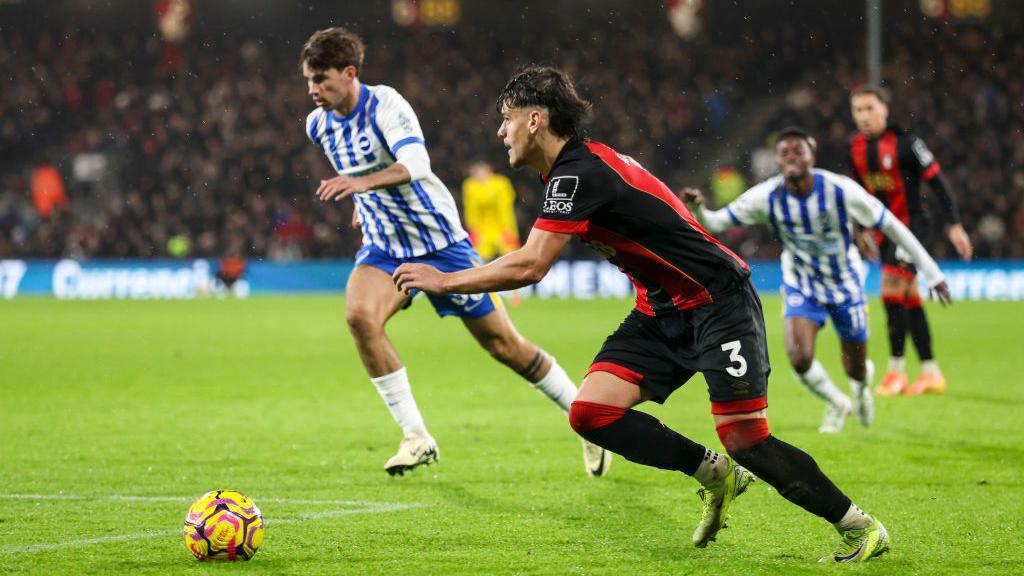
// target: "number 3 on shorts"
[[740, 367]]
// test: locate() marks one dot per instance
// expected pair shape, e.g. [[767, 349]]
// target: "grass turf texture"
[[267, 396]]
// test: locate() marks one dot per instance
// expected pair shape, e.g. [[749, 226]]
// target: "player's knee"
[[587, 416], [362, 320], [738, 436], [856, 369], [800, 360], [502, 348], [800, 357]]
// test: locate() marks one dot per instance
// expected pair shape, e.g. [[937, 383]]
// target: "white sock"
[[557, 386], [817, 381], [897, 364], [711, 468], [854, 519], [930, 367], [397, 394]]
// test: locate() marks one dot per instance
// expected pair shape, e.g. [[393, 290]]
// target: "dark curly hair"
[[548, 88], [333, 48]]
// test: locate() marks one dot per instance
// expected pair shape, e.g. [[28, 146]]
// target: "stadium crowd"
[[959, 90], [209, 156]]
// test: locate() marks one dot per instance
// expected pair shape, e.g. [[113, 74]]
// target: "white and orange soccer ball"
[[223, 525]]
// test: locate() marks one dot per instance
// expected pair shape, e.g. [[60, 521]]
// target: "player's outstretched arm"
[[714, 220], [522, 267], [750, 208], [904, 238], [867, 211]]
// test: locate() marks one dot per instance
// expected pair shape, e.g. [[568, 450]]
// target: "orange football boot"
[[894, 384], [927, 383]]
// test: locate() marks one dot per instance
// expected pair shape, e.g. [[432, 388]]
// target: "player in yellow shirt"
[[488, 204]]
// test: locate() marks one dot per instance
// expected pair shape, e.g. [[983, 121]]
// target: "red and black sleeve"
[[924, 163]]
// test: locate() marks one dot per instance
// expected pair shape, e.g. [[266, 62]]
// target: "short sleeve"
[[864, 208], [569, 203], [397, 121]]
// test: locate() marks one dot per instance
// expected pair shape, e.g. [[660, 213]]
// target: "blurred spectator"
[[48, 191], [215, 150]]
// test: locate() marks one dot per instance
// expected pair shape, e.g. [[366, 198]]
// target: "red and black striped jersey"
[[892, 167], [635, 221]]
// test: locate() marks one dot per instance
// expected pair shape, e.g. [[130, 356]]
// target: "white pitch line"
[[123, 498], [372, 508]]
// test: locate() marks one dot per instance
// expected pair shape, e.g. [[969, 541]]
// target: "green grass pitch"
[[114, 414]]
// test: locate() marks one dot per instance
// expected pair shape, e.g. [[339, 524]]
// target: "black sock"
[[796, 476], [920, 333], [896, 315], [642, 438]]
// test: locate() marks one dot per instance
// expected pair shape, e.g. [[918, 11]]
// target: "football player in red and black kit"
[[891, 163], [696, 311]]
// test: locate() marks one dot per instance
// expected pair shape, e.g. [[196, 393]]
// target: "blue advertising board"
[[140, 279]]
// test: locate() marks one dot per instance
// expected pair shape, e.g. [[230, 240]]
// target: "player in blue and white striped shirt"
[[373, 140], [812, 213]]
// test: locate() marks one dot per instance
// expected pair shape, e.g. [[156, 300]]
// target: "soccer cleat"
[[596, 460], [835, 416], [927, 383], [861, 545], [717, 499], [412, 452], [894, 384]]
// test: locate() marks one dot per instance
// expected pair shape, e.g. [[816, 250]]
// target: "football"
[[223, 525]]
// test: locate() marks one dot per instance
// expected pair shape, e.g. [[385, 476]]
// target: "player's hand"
[[692, 196], [339, 188], [961, 241], [409, 277], [355, 219], [866, 244], [941, 292]]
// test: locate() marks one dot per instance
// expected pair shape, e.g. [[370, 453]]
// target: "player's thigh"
[[800, 334], [371, 296], [734, 352], [850, 321], [641, 354], [602, 387], [802, 318]]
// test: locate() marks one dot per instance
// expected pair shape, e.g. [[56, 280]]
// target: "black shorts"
[[894, 260], [724, 340]]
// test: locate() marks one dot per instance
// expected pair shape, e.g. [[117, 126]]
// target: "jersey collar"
[[570, 145], [364, 95]]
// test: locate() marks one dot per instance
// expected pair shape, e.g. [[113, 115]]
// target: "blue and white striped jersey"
[[819, 257], [404, 221]]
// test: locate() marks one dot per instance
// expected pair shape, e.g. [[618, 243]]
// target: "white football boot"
[[835, 416], [596, 460], [412, 452]]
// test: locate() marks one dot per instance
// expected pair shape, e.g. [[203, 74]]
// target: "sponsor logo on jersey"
[[887, 161], [559, 195], [363, 143], [880, 181], [924, 155]]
